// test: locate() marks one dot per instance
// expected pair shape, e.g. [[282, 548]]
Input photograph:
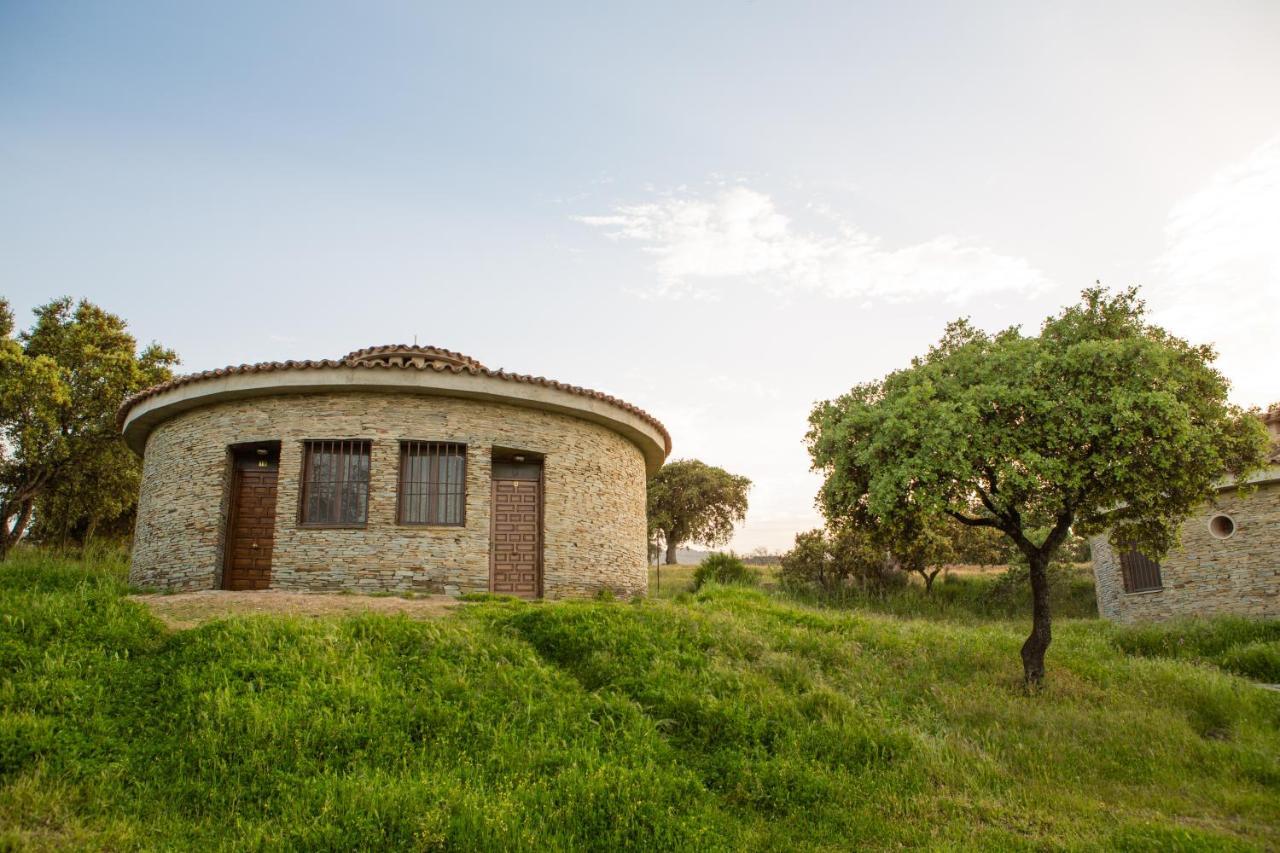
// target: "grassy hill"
[[730, 719]]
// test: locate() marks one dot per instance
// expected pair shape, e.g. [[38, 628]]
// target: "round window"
[[1222, 526]]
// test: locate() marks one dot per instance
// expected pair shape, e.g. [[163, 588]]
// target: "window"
[[433, 482], [1141, 573], [335, 483]]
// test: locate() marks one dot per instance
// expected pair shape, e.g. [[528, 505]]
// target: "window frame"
[[405, 445], [305, 481], [1127, 581]]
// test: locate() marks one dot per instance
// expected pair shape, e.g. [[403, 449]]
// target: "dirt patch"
[[189, 609]]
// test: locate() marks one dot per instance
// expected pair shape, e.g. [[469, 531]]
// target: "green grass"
[[723, 720], [963, 596], [1248, 647]]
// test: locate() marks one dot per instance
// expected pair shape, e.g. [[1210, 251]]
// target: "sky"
[[722, 212]]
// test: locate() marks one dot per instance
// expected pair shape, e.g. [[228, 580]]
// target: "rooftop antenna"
[[415, 340]]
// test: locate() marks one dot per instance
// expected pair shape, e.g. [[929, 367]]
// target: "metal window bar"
[[1139, 572], [432, 482], [335, 488]]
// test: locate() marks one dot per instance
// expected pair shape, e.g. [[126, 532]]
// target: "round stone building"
[[395, 468]]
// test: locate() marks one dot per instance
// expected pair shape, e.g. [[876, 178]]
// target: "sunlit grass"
[[728, 719]]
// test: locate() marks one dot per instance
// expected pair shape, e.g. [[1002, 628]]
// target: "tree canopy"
[[690, 501], [62, 459], [1101, 421]]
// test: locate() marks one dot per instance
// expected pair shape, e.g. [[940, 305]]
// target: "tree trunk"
[[1038, 643], [671, 552], [928, 580], [9, 536]]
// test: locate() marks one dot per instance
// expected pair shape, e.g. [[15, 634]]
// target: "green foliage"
[[1100, 420], [690, 501], [728, 720], [833, 562], [808, 562], [1259, 661], [62, 459], [1248, 647], [964, 598], [724, 569], [1075, 549], [1070, 586], [979, 546]]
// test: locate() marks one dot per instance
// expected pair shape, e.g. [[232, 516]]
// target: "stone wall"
[[1206, 576], [594, 500]]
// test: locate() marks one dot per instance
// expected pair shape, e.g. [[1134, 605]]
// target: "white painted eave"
[[1270, 474], [145, 415]]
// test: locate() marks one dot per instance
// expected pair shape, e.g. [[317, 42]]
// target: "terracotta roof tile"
[[397, 357]]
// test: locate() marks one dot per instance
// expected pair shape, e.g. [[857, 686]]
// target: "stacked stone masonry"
[[1207, 575], [594, 535]]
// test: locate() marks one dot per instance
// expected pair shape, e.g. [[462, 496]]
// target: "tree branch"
[[1059, 532], [972, 522], [991, 478], [988, 503]]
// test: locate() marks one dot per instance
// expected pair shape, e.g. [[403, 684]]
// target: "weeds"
[[725, 719]]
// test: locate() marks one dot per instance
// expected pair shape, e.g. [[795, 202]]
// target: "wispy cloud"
[[703, 243], [1219, 276]]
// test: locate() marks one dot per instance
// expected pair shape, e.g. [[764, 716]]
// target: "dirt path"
[[189, 609]]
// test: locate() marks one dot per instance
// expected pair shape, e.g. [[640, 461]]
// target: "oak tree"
[[1101, 421], [690, 501], [61, 384]]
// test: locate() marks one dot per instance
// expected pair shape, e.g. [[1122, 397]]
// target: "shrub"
[[1013, 586], [962, 597], [832, 562], [805, 564], [724, 569]]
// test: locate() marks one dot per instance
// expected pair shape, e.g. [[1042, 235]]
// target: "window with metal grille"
[[1140, 572], [433, 482], [335, 483]]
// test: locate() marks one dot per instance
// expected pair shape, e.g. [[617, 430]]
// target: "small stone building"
[[1229, 561], [399, 468]]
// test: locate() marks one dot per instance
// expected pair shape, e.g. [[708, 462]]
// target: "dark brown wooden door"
[[516, 553], [252, 530]]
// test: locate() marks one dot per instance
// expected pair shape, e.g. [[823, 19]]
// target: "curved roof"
[[396, 367]]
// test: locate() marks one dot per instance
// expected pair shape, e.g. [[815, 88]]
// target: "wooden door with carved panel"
[[251, 528], [516, 549]]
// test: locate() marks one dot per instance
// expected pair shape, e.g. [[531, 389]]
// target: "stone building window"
[[433, 483], [335, 483], [1140, 572], [1222, 526]]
